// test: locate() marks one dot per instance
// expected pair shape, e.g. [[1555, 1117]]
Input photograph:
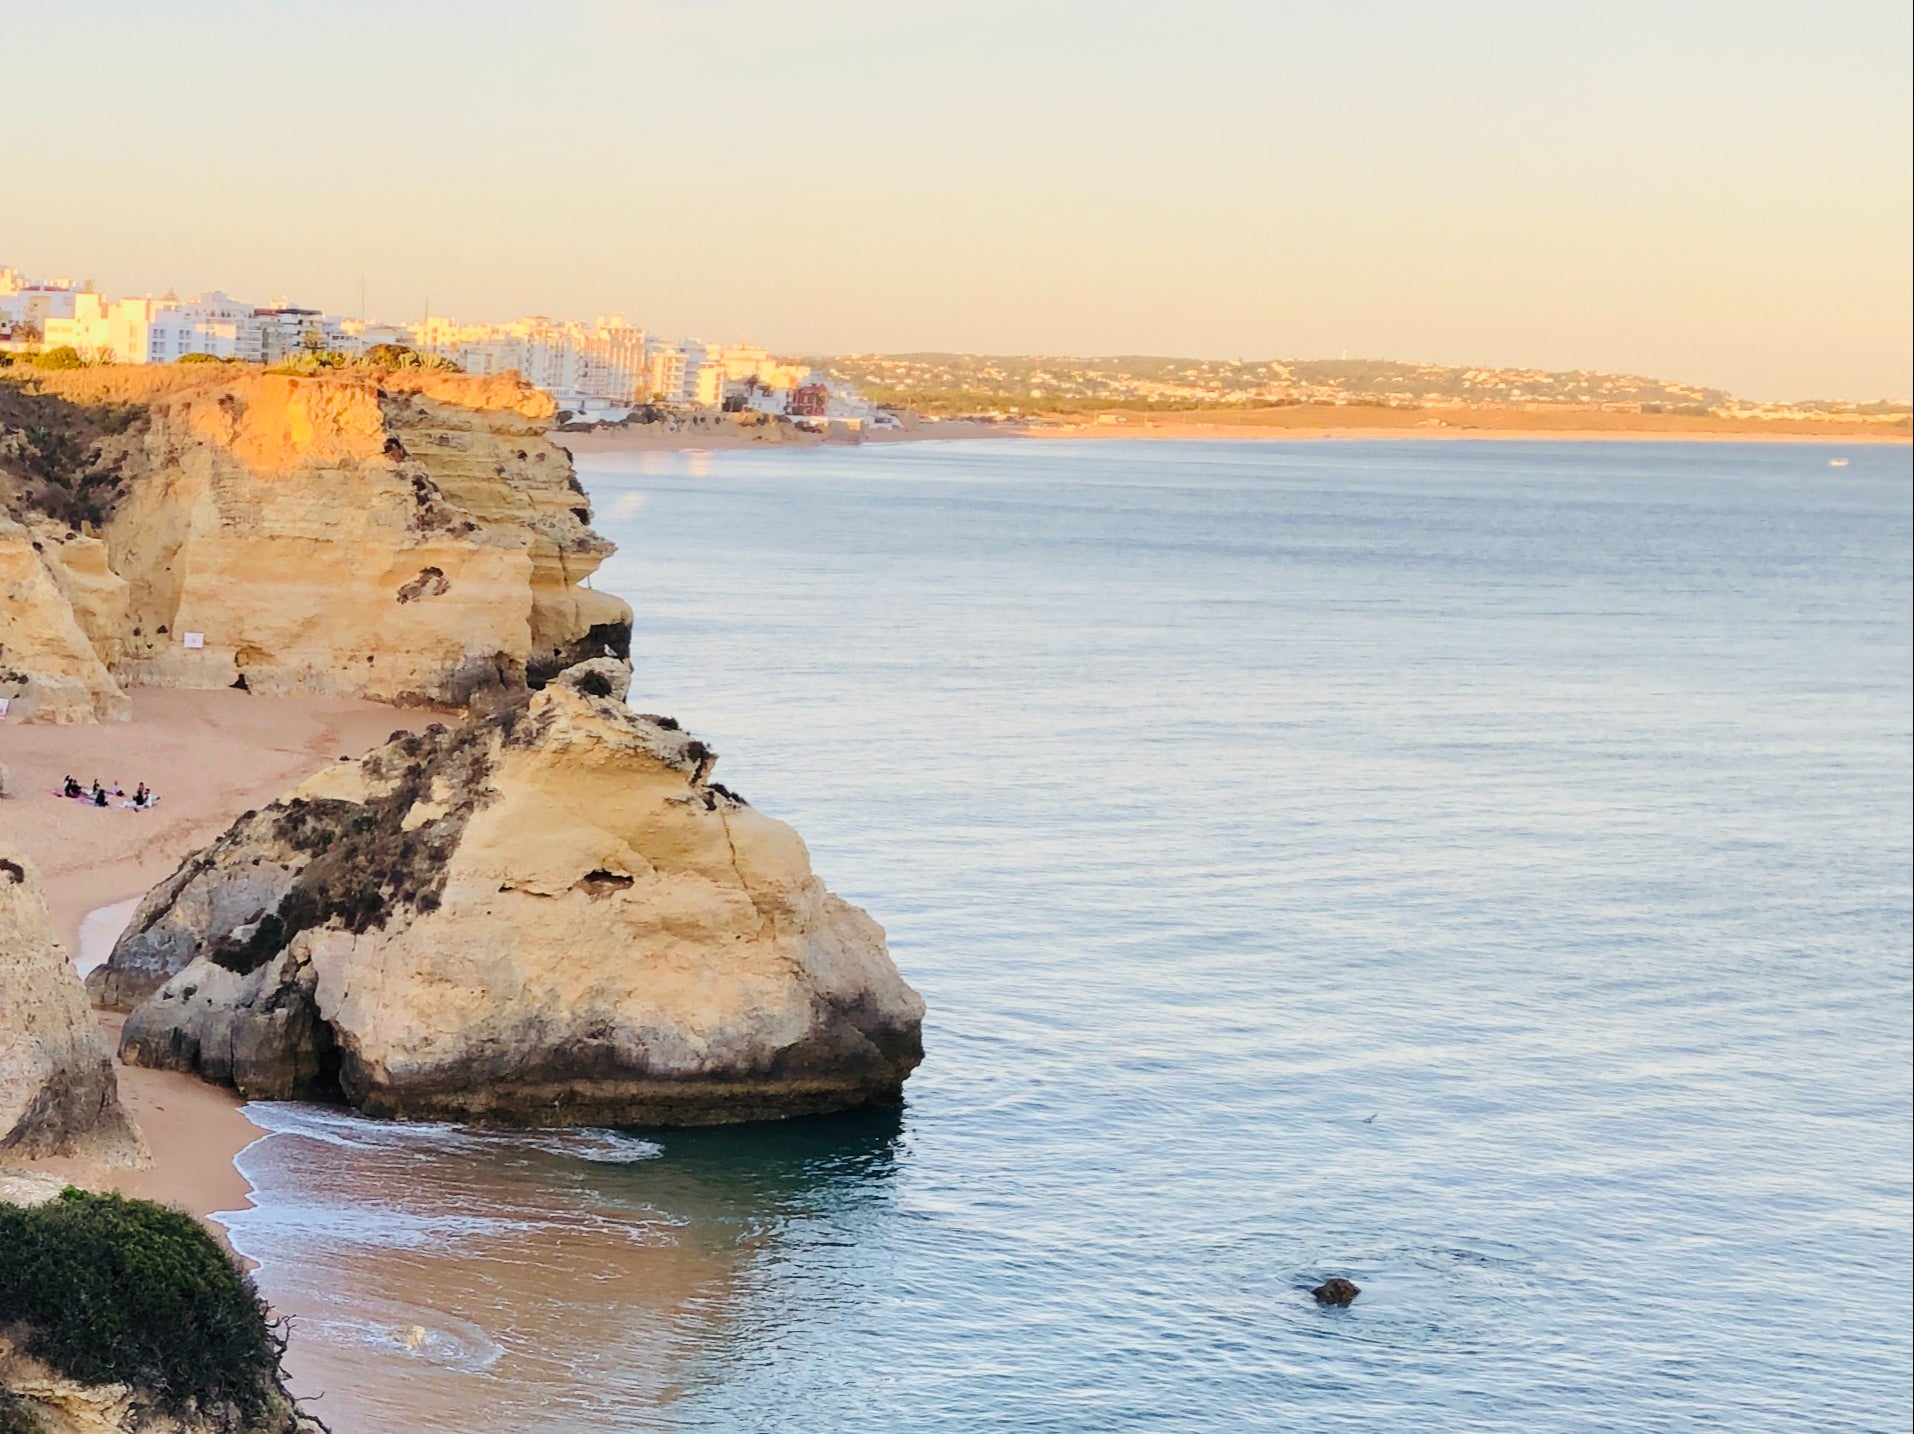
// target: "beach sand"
[[1363, 421], [656, 437], [210, 756], [1309, 421]]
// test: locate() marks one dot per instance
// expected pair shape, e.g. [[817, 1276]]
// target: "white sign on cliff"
[[193, 639]]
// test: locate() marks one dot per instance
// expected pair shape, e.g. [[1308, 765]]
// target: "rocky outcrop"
[[50, 669], [409, 537], [550, 915], [57, 1093], [45, 1401]]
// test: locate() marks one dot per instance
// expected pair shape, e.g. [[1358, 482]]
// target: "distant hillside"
[[1002, 385]]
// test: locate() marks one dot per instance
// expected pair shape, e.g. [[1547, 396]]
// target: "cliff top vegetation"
[[107, 1290]]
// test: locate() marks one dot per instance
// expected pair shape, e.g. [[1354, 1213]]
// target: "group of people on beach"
[[99, 796]]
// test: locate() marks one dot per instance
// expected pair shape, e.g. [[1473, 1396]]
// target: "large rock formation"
[[57, 1093], [409, 536], [549, 916], [50, 669]]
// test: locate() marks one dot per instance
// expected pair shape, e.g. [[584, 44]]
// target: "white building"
[[272, 335], [665, 366], [33, 302], [154, 330], [601, 360]]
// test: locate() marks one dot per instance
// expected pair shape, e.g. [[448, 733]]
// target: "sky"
[[1710, 192]]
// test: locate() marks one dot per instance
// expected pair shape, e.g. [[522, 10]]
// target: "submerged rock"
[[57, 1092], [1336, 1292], [549, 915]]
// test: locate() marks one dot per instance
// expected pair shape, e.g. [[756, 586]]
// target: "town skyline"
[[1718, 193], [602, 367]]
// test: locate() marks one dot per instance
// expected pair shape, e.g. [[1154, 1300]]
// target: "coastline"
[[1312, 423], [210, 755]]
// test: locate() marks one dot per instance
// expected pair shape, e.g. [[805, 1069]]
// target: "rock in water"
[[548, 915], [1336, 1292], [57, 1092]]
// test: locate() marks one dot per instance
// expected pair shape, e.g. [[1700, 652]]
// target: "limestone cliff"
[[50, 668], [409, 537], [550, 915], [57, 1093], [59, 1404]]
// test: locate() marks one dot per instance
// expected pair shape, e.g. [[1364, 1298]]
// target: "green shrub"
[[398, 356], [201, 358], [311, 361], [65, 356], [109, 1290], [391, 356]]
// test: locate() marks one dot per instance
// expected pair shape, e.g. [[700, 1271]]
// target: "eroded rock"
[[409, 537], [549, 916], [57, 1092]]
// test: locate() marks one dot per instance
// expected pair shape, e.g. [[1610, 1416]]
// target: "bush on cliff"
[[107, 1290], [397, 356], [311, 361], [65, 356]]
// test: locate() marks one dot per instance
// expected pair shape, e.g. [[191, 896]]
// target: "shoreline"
[[211, 755], [1309, 425]]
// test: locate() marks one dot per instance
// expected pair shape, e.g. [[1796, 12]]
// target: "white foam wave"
[[100, 928], [347, 1130], [412, 1331]]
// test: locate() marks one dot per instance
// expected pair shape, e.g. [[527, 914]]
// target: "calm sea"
[[1477, 869]]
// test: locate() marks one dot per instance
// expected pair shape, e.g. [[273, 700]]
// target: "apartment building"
[[155, 330], [32, 302]]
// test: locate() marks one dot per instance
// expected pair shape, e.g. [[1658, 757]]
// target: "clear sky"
[[1717, 192]]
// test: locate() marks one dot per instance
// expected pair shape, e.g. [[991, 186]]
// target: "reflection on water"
[[1480, 870], [443, 1277]]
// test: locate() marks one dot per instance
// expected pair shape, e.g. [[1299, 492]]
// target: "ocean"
[[1477, 869]]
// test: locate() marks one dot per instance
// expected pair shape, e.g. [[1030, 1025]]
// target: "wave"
[[346, 1129]]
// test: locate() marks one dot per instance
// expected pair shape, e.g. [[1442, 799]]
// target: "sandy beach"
[[210, 756], [1299, 422], [703, 433], [1362, 421]]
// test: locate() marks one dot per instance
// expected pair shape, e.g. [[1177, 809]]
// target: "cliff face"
[[50, 668], [57, 1093], [408, 537], [550, 916]]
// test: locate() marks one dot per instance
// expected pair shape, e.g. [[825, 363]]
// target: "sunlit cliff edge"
[[409, 537]]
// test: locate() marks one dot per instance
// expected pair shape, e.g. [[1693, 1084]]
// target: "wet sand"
[[210, 756]]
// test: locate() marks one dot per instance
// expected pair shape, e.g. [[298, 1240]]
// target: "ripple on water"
[[1548, 802]]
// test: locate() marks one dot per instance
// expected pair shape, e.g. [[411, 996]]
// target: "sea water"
[[1480, 870]]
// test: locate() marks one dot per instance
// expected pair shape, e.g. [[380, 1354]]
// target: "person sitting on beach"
[[99, 796], [142, 798], [70, 788], [116, 790]]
